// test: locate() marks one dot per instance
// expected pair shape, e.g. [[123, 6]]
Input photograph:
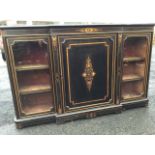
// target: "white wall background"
[[108, 11], [102, 11]]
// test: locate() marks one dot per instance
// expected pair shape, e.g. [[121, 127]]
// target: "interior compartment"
[[133, 70], [131, 90], [30, 53], [37, 103], [135, 47], [34, 80]]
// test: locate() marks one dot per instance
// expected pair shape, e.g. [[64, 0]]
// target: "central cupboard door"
[[88, 65]]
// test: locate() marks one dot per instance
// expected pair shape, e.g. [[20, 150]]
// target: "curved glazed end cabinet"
[[63, 73]]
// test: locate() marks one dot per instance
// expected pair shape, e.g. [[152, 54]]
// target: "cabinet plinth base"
[[62, 118], [87, 114], [135, 104], [25, 122]]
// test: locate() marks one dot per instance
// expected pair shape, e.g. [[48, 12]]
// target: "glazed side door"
[[31, 74], [136, 51], [87, 68]]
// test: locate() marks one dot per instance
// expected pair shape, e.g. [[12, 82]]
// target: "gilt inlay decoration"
[[88, 74]]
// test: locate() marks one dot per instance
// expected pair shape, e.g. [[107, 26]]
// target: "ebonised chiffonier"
[[62, 73]]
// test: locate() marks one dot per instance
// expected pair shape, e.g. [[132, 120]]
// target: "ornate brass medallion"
[[88, 30], [88, 73]]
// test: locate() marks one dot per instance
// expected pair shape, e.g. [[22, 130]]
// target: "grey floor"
[[135, 121]]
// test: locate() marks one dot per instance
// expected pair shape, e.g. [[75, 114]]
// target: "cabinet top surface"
[[74, 25]]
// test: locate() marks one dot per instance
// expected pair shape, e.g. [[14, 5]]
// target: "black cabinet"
[[62, 73]]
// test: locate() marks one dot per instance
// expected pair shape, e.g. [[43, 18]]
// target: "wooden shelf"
[[35, 109], [133, 59], [31, 67], [132, 96], [35, 89], [128, 78]]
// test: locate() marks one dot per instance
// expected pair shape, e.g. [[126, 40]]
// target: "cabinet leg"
[[19, 125]]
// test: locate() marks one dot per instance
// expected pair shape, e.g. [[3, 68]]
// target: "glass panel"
[[135, 47], [34, 80], [36, 103], [132, 90], [32, 67], [30, 52], [135, 54], [133, 70]]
